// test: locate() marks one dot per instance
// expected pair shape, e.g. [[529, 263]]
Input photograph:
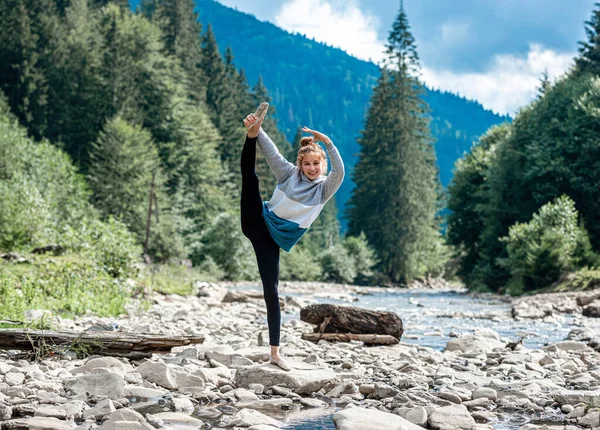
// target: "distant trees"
[[395, 199]]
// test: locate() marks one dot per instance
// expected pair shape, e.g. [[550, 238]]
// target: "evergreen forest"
[[121, 134]]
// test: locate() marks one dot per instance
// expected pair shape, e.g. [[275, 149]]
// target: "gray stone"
[[158, 373], [122, 425], [47, 423], [417, 415], [592, 419], [250, 417], [110, 363], [451, 397], [471, 344], [100, 410], [450, 418], [383, 391], [355, 418], [5, 412], [485, 392], [302, 379], [108, 385], [178, 419], [50, 411]]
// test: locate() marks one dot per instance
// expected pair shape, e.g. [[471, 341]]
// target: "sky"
[[492, 51]]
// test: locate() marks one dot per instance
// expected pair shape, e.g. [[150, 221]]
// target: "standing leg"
[[267, 257]]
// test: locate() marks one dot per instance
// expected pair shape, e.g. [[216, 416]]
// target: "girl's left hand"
[[319, 137]]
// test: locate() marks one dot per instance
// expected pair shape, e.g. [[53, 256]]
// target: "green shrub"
[[338, 265], [300, 265], [227, 246], [363, 256], [542, 249], [108, 244]]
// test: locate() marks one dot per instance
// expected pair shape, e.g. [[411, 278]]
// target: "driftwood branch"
[[348, 319], [368, 339], [93, 342]]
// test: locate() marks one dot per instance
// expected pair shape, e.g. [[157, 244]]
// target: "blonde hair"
[[308, 146]]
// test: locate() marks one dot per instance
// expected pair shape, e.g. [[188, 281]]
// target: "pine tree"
[[589, 58], [396, 186], [27, 32], [181, 32], [124, 167]]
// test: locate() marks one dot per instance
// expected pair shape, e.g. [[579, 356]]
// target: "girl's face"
[[312, 166]]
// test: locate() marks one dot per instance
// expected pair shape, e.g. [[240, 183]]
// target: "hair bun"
[[307, 140]]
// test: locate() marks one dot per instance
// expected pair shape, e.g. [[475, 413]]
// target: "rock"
[[245, 395], [592, 311], [47, 423], [573, 397], [122, 425], [366, 389], [355, 418], [417, 415], [14, 378], [471, 344], [110, 363], [250, 417], [347, 387], [383, 390], [235, 296], [229, 360], [592, 419], [451, 418], [125, 414], [302, 379], [565, 409], [451, 397], [108, 385], [312, 403], [158, 373], [485, 392], [5, 412], [100, 410], [567, 345], [178, 419], [50, 411]]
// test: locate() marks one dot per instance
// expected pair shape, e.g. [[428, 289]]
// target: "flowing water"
[[431, 318]]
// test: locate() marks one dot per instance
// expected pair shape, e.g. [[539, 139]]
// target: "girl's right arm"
[[281, 168]]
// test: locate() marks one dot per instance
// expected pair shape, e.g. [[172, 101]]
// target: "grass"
[[65, 285]]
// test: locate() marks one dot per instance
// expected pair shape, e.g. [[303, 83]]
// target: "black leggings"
[[255, 229]]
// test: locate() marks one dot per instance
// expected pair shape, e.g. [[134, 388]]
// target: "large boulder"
[[302, 379], [355, 418]]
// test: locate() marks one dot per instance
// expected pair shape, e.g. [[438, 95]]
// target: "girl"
[[302, 191]]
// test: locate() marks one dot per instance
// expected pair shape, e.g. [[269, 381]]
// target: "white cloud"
[[508, 83], [453, 32], [339, 23]]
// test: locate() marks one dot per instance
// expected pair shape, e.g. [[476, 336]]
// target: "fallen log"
[[368, 339], [121, 344], [348, 319]]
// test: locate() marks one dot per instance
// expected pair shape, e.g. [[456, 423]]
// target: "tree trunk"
[[47, 342], [368, 339], [348, 319]]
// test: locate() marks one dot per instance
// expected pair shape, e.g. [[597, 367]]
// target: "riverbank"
[[480, 380]]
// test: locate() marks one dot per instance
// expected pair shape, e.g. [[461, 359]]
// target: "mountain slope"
[[324, 88]]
